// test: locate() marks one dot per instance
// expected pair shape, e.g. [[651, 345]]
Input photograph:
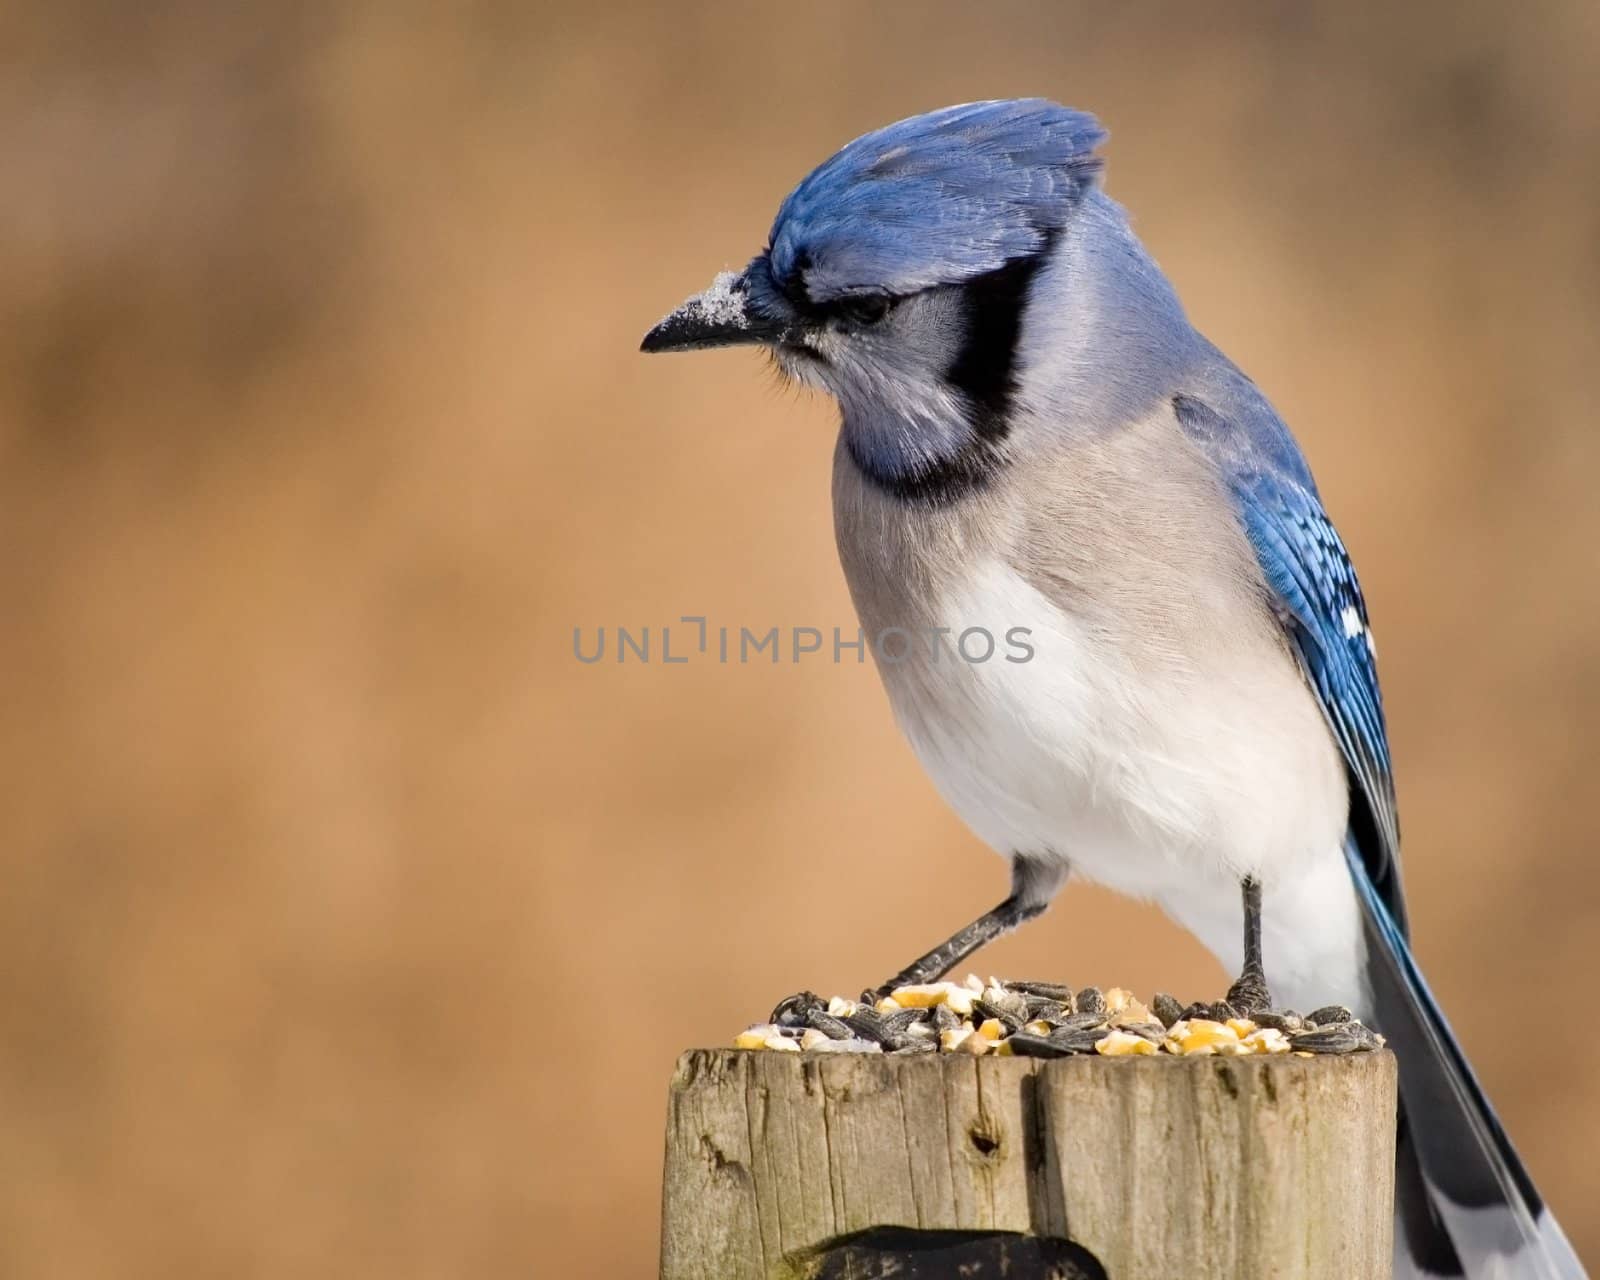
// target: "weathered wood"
[[1252, 1166]]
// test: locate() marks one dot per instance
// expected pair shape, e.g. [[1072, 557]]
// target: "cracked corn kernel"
[[976, 1044], [960, 1000], [1197, 1035], [888, 1005], [1241, 1027], [1267, 1040], [930, 994], [754, 1037], [839, 1007], [1038, 1027], [952, 1039], [924, 996], [991, 1029], [776, 1041], [1132, 1012], [1120, 1043], [810, 1038]]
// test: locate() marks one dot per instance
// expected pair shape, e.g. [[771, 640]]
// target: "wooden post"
[[1159, 1166]]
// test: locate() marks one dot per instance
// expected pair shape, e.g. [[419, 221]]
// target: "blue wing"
[[1452, 1148], [1319, 601]]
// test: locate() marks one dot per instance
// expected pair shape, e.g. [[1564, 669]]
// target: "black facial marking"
[[985, 369], [860, 310], [967, 471], [984, 372]]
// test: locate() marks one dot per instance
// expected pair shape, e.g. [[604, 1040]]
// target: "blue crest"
[[936, 199]]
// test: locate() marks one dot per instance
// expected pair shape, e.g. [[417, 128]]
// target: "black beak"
[[719, 317]]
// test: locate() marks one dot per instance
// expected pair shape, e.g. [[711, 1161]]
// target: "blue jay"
[[1032, 434]]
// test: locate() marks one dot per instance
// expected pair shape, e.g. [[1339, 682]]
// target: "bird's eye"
[[865, 311]]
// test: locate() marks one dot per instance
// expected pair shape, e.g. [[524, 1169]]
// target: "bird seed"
[[1046, 1020]]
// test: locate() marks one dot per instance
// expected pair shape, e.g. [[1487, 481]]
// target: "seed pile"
[[1047, 1020]]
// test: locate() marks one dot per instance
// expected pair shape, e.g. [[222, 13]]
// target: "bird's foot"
[[791, 1011], [794, 1011], [1249, 994]]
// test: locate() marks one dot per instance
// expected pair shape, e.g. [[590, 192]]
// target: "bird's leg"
[[961, 944], [1033, 884], [1250, 992], [936, 963]]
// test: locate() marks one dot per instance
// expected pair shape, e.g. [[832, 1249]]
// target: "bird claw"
[[1249, 994], [791, 1011]]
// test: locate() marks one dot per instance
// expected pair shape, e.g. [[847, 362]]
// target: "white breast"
[[1120, 769], [1166, 772]]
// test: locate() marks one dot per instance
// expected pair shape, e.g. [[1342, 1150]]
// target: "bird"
[[1033, 435]]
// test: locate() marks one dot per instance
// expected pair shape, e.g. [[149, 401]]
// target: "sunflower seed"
[[833, 1028], [1077, 1041], [1337, 1037], [866, 1025], [1012, 1002], [902, 1020], [1005, 1017], [1331, 1013], [1166, 1008], [1090, 1001], [1050, 990], [1221, 1011], [1027, 1045], [1078, 1022]]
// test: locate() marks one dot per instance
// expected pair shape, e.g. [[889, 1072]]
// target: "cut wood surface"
[[1275, 1166]]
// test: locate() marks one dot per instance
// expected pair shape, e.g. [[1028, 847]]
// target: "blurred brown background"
[[322, 427]]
